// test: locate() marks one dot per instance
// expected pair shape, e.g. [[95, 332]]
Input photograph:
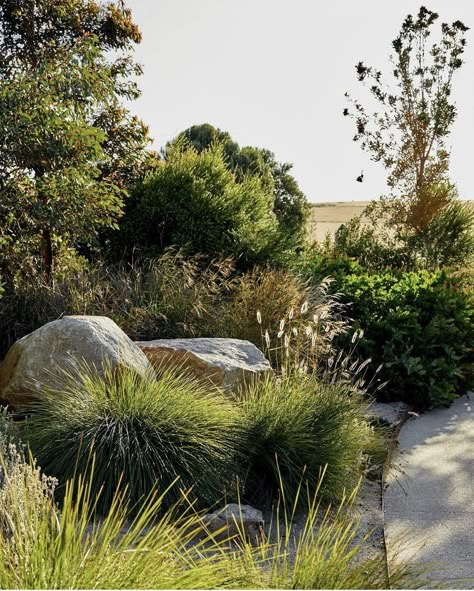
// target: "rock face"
[[228, 363], [32, 362], [237, 520]]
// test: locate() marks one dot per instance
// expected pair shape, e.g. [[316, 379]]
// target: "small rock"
[[387, 413], [237, 520]]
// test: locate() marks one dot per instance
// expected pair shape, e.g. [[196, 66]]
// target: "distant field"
[[327, 217]]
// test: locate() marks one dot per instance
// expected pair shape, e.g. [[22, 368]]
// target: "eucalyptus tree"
[[68, 147]]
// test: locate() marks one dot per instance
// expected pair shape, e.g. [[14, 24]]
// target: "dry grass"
[[328, 217]]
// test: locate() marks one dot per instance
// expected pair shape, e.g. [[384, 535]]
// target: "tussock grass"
[[289, 319], [45, 547], [296, 428], [143, 432]]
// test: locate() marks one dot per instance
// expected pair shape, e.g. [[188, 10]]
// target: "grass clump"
[[45, 547], [143, 432], [285, 316], [298, 427], [71, 548]]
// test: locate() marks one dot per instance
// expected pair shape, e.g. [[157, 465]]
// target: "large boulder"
[[37, 360], [228, 363]]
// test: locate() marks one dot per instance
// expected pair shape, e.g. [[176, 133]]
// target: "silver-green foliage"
[[144, 433]]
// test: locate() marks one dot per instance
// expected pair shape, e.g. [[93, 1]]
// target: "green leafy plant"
[[420, 327], [289, 202], [296, 428], [193, 201], [68, 146], [144, 433]]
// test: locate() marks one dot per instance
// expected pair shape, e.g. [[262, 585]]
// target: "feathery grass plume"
[[287, 305], [171, 296], [297, 427], [144, 433]]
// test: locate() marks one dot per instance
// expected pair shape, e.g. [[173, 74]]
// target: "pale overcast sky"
[[274, 72]]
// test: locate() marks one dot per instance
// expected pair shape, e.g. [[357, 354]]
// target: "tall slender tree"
[[408, 135]]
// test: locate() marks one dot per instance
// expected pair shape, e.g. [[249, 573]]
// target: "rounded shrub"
[[419, 327], [194, 202], [144, 434], [297, 429]]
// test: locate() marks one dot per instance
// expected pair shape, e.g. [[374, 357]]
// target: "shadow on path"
[[429, 505]]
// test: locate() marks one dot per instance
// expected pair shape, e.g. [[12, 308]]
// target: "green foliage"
[[144, 432], [45, 548], [317, 262], [68, 148], [289, 202], [390, 234], [448, 240], [192, 201], [297, 428], [420, 326]]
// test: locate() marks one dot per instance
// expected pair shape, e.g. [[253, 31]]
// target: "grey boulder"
[[227, 363], [38, 360]]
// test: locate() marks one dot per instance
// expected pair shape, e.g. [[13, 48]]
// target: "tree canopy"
[[68, 148], [289, 202], [191, 200]]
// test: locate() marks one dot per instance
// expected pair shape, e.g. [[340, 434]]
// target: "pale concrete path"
[[429, 498]]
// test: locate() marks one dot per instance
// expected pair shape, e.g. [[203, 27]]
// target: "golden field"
[[328, 216]]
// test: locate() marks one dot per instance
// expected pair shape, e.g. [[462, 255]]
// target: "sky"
[[273, 73]]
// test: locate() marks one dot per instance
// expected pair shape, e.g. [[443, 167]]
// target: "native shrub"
[[420, 326], [193, 201]]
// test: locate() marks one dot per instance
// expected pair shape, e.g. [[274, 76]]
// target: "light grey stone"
[[387, 413], [35, 361], [228, 363], [235, 520]]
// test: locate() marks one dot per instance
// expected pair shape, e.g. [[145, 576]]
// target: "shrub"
[[143, 432], [420, 326], [411, 234], [297, 427], [193, 201], [289, 202]]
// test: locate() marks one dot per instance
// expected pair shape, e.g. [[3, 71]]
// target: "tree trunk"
[[47, 253]]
